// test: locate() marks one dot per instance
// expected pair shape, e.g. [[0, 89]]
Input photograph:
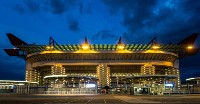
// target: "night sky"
[[102, 21]]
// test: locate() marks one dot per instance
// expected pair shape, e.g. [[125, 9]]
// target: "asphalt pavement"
[[98, 99]]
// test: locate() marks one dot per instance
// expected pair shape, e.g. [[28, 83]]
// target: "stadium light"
[[189, 47], [120, 46], [85, 46], [49, 47], [155, 47]]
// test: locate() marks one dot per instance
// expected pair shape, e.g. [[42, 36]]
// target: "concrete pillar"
[[176, 70], [31, 74], [103, 74], [148, 69], [57, 70]]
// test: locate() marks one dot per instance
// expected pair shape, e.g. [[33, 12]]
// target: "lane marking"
[[104, 101], [89, 101], [121, 100]]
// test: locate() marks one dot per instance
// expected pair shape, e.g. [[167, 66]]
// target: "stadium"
[[86, 68]]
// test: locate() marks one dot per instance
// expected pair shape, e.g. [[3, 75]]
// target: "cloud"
[[52, 6], [19, 9], [84, 9], [73, 25], [191, 6], [32, 5], [25, 6], [135, 12], [165, 18], [58, 6]]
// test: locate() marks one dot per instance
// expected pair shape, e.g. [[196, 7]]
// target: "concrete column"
[[57, 70], [28, 71], [177, 73], [103, 74], [31, 74], [148, 69]]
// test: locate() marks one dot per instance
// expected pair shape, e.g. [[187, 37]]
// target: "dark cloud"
[[32, 5], [73, 25], [19, 9], [135, 18], [58, 6], [191, 7], [135, 13], [84, 9], [52, 6], [146, 18]]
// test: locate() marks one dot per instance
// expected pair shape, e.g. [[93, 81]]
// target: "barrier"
[[69, 92]]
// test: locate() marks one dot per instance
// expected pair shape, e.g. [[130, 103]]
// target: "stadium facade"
[[91, 68]]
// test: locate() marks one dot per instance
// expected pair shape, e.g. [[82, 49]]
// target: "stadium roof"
[[22, 48]]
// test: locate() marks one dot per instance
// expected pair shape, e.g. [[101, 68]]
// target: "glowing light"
[[189, 47], [155, 47], [124, 51], [169, 84], [90, 85], [85, 51], [120, 46], [55, 76], [51, 51], [85, 46], [190, 79], [155, 51], [14, 81], [49, 47], [20, 84]]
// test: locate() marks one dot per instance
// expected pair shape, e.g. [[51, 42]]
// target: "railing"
[[69, 92], [135, 74]]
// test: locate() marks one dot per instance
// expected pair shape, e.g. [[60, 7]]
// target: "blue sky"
[[102, 21]]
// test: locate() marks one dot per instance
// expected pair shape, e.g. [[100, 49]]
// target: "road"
[[97, 99]]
